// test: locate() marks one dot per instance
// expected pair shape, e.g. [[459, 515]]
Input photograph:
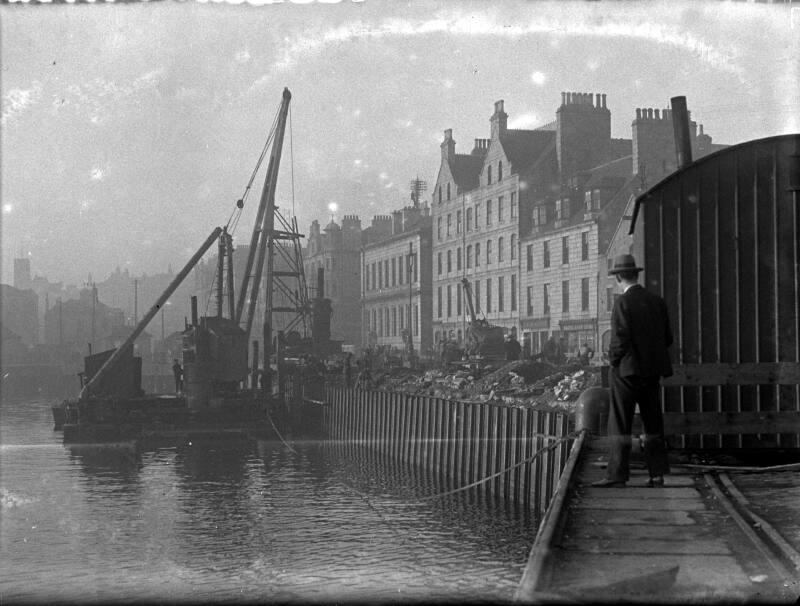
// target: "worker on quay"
[[512, 347], [640, 336], [585, 353], [177, 371]]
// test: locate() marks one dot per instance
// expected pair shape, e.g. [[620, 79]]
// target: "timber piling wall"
[[465, 442]]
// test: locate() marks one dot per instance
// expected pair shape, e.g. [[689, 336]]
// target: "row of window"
[[564, 251], [391, 321], [542, 213], [390, 272], [444, 260], [449, 297], [488, 181], [564, 297], [444, 223]]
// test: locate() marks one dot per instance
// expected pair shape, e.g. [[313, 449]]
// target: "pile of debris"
[[521, 383]]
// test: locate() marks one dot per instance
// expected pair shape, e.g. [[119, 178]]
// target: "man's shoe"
[[606, 483], [655, 482]]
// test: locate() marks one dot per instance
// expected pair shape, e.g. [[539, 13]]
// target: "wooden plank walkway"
[[680, 543]]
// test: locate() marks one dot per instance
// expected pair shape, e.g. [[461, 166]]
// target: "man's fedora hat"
[[624, 263]]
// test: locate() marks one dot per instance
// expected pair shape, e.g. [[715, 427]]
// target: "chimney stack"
[[680, 125]]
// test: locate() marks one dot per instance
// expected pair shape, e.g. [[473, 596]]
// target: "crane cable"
[[236, 213], [233, 220]]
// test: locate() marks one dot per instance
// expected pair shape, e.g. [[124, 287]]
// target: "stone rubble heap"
[[521, 383]]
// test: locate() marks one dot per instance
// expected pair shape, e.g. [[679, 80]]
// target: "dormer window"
[[500, 170], [440, 194], [448, 190], [591, 200], [562, 209], [489, 175], [539, 215]]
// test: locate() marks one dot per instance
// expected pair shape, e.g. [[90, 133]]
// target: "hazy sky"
[[129, 130]]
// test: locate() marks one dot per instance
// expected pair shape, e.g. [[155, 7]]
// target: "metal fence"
[[464, 441]]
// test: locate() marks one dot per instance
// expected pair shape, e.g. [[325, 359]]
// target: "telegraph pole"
[[417, 187]]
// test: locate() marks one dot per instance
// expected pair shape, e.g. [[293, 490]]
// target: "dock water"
[[684, 542]]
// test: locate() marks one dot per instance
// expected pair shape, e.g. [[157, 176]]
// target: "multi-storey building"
[[567, 294], [336, 250], [477, 208], [396, 280]]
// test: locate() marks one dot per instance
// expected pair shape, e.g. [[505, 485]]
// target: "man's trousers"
[[626, 393]]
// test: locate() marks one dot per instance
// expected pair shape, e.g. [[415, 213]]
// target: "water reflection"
[[242, 520]]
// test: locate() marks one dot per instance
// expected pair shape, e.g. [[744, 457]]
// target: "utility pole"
[[410, 275], [417, 187], [135, 302]]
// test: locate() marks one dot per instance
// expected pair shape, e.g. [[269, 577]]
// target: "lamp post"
[[410, 323]]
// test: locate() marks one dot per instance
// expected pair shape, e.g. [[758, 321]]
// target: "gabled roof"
[[466, 169], [524, 147], [610, 217]]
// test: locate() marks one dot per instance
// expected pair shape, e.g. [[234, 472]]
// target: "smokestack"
[[320, 283], [680, 125], [194, 311]]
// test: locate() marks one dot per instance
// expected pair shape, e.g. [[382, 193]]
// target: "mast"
[[265, 224]]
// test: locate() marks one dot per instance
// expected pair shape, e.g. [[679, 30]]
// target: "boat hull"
[[120, 419]]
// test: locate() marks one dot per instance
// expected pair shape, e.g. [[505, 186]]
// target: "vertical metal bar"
[[476, 442], [524, 453], [417, 429], [406, 446], [438, 435], [466, 442], [502, 451], [679, 249], [717, 291], [737, 302], [756, 257], [457, 436]]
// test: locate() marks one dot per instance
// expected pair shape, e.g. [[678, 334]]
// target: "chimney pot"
[[657, 117], [604, 101], [563, 98], [638, 113]]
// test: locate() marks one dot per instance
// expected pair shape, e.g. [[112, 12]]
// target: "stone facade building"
[[477, 208], [528, 218], [396, 280], [336, 250], [574, 235]]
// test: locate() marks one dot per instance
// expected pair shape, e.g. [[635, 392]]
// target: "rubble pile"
[[521, 383]]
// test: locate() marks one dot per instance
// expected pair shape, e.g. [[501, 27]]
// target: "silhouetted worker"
[[640, 336], [513, 348], [177, 371], [585, 353]]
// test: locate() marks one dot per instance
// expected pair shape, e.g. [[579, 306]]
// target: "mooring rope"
[[280, 437], [557, 441]]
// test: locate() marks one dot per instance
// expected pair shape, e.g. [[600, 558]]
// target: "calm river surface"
[[238, 521]]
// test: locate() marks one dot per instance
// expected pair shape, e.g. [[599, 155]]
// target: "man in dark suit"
[[640, 336]]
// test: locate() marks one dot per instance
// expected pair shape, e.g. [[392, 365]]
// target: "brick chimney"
[[448, 146], [583, 132], [499, 120]]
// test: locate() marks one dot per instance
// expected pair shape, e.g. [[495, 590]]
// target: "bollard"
[[591, 412]]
